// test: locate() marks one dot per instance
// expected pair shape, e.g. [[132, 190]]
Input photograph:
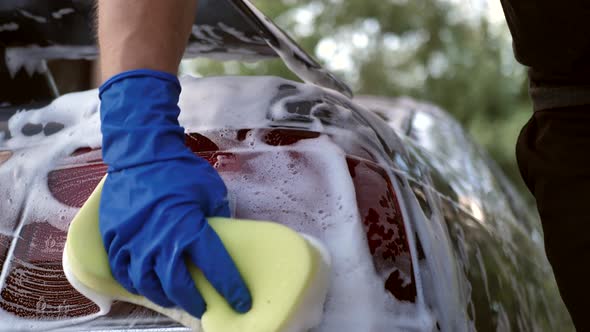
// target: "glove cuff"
[[139, 119], [139, 73]]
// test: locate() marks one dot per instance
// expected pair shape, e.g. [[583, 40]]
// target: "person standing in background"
[[552, 38]]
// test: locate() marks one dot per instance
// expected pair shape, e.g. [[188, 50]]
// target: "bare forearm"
[[150, 34]]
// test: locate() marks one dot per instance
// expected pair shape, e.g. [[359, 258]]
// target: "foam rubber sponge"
[[285, 272]]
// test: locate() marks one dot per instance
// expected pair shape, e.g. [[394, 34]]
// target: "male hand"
[[157, 196]]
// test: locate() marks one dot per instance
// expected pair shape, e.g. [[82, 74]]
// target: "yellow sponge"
[[286, 273]]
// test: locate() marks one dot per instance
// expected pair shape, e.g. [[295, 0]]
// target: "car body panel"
[[440, 246], [425, 232], [34, 31]]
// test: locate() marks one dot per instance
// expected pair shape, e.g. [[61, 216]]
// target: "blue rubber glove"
[[156, 197]]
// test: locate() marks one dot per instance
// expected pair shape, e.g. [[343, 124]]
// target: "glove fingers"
[[119, 268], [221, 210], [209, 254], [179, 286], [148, 285]]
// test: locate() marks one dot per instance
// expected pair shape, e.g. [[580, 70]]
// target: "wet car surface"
[[425, 232]]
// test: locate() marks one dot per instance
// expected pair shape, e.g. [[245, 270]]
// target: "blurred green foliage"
[[444, 52]]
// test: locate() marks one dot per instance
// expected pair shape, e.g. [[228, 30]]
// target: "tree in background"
[[442, 51]]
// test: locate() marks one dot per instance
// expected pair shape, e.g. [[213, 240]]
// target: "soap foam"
[[24, 180], [356, 298], [35, 156], [325, 202]]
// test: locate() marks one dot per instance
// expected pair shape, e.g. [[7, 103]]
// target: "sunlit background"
[[454, 53]]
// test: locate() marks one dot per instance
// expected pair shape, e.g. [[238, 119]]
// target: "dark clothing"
[[552, 38], [553, 153]]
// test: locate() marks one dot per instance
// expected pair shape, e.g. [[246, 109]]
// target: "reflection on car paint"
[[224, 29]]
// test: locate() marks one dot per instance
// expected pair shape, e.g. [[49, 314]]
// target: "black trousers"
[[552, 38], [553, 153]]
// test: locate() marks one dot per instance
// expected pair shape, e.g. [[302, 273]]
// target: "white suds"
[[12, 26], [36, 18], [62, 12], [306, 185]]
